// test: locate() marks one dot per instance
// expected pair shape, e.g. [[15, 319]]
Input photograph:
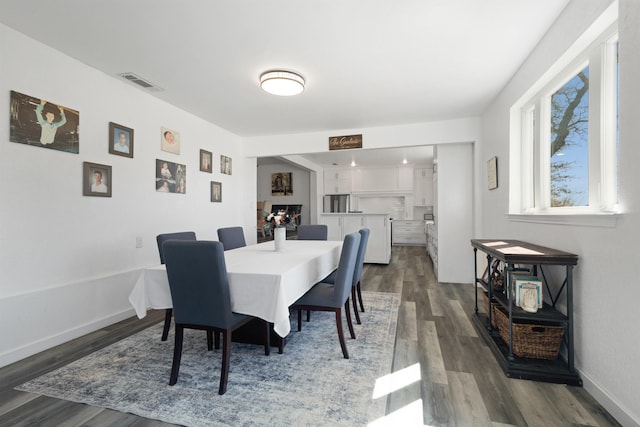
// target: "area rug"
[[311, 384]]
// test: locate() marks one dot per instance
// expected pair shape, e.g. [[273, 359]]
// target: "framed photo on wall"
[[171, 177], [120, 140], [225, 165], [281, 184], [96, 180], [170, 140], [42, 123], [216, 192], [205, 161], [492, 173]]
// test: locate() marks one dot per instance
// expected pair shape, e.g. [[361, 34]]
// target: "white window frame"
[[529, 194]]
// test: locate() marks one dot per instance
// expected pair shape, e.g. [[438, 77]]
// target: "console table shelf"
[[515, 254]]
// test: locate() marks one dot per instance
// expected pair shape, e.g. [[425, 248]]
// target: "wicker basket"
[[529, 340]]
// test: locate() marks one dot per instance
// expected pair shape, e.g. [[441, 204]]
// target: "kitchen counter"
[[379, 245]]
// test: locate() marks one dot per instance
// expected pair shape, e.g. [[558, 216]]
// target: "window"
[[565, 136]]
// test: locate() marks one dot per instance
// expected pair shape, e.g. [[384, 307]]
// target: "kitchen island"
[[379, 245]]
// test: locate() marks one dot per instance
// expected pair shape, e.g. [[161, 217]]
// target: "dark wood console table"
[[522, 256]]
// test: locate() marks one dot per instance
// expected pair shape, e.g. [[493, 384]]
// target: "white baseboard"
[[16, 354], [621, 414]]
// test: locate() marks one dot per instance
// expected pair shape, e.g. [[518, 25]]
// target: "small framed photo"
[[120, 140], [225, 165], [216, 192], [492, 173], [170, 140], [96, 180], [205, 161]]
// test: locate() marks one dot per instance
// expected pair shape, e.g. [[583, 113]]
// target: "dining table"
[[263, 281]]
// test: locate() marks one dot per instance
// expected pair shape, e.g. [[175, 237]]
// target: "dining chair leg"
[[360, 296], [343, 344], [299, 320], [209, 340], [216, 337], [226, 349], [267, 343], [177, 355], [347, 312], [308, 315], [167, 323], [355, 306]]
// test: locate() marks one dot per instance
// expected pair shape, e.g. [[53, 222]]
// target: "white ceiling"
[[367, 63]]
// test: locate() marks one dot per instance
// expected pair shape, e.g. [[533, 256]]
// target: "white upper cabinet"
[[337, 181], [423, 187], [382, 179], [405, 179]]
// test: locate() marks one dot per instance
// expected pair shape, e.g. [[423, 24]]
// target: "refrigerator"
[[336, 203]]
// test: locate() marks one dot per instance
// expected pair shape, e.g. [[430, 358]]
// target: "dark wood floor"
[[461, 383]]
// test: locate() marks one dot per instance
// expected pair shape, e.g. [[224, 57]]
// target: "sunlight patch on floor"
[[408, 415], [396, 380]]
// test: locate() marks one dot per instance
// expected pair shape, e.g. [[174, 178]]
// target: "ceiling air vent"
[[134, 78]]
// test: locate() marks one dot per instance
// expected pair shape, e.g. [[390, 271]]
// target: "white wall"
[[454, 212], [68, 262], [607, 336]]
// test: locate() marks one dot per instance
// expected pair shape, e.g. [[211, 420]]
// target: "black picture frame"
[[206, 161], [120, 140], [96, 180], [216, 192]]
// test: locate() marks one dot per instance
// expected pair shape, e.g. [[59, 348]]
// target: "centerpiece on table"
[[279, 223]]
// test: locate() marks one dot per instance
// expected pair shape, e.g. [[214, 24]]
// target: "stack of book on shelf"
[[528, 292]]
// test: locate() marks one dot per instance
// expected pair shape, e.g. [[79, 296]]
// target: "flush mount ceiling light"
[[281, 83]]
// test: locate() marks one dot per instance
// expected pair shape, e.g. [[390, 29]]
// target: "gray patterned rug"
[[310, 384]]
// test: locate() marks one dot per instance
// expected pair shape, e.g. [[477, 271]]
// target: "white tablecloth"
[[262, 282]]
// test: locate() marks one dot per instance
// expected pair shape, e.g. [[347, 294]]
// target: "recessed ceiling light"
[[282, 83]]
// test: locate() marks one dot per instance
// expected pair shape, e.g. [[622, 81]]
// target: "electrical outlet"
[[139, 242]]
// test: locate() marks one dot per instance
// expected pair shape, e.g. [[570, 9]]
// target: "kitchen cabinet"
[[409, 233], [518, 256], [423, 187], [382, 180], [379, 245], [405, 179], [337, 181], [432, 245]]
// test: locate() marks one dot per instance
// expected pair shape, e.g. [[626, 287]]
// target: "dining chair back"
[[160, 239], [199, 288], [231, 237], [332, 297], [356, 291], [312, 232], [357, 273]]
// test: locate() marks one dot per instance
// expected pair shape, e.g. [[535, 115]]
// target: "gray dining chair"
[[332, 297], [231, 237], [160, 239], [356, 290], [201, 300], [312, 232]]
